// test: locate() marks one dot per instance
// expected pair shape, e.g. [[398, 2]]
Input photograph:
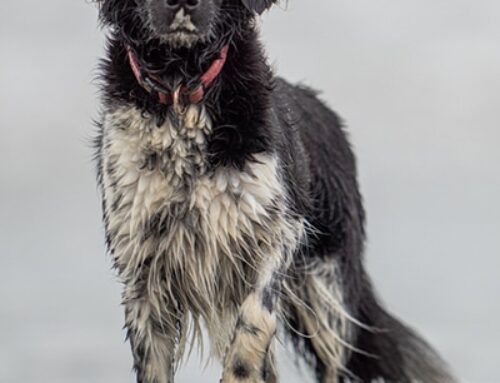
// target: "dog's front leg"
[[152, 338], [249, 357]]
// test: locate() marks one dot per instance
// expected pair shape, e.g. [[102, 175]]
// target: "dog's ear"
[[258, 6], [110, 9]]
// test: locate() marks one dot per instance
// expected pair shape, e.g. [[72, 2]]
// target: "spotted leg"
[[249, 357]]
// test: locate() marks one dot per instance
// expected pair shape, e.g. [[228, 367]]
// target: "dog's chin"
[[182, 39]]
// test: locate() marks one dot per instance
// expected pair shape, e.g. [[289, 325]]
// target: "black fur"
[[240, 370], [255, 112], [258, 6]]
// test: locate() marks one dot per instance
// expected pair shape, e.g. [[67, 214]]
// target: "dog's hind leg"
[[249, 357], [320, 326]]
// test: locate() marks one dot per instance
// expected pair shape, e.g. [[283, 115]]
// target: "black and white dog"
[[230, 201]]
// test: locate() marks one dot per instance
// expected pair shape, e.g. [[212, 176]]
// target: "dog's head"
[[179, 23]]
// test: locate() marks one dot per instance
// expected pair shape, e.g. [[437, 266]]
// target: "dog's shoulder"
[[307, 119]]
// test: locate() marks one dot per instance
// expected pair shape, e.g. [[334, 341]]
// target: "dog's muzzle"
[[181, 22]]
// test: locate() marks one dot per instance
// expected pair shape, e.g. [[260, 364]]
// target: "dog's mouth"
[[183, 30], [182, 37]]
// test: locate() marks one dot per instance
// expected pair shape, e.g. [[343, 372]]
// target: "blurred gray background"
[[418, 83]]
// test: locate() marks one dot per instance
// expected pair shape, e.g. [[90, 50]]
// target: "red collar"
[[153, 83]]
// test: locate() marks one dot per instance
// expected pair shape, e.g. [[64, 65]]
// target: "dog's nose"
[[188, 4]]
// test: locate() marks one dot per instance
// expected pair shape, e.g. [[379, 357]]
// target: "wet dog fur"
[[241, 214]]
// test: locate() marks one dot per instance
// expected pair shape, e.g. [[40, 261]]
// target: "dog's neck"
[[189, 92], [175, 65], [179, 66], [237, 102]]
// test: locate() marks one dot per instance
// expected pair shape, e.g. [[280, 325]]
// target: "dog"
[[231, 203]]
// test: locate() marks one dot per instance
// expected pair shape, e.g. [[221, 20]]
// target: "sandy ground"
[[418, 84]]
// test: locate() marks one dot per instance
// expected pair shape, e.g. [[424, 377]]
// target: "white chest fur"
[[182, 235]]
